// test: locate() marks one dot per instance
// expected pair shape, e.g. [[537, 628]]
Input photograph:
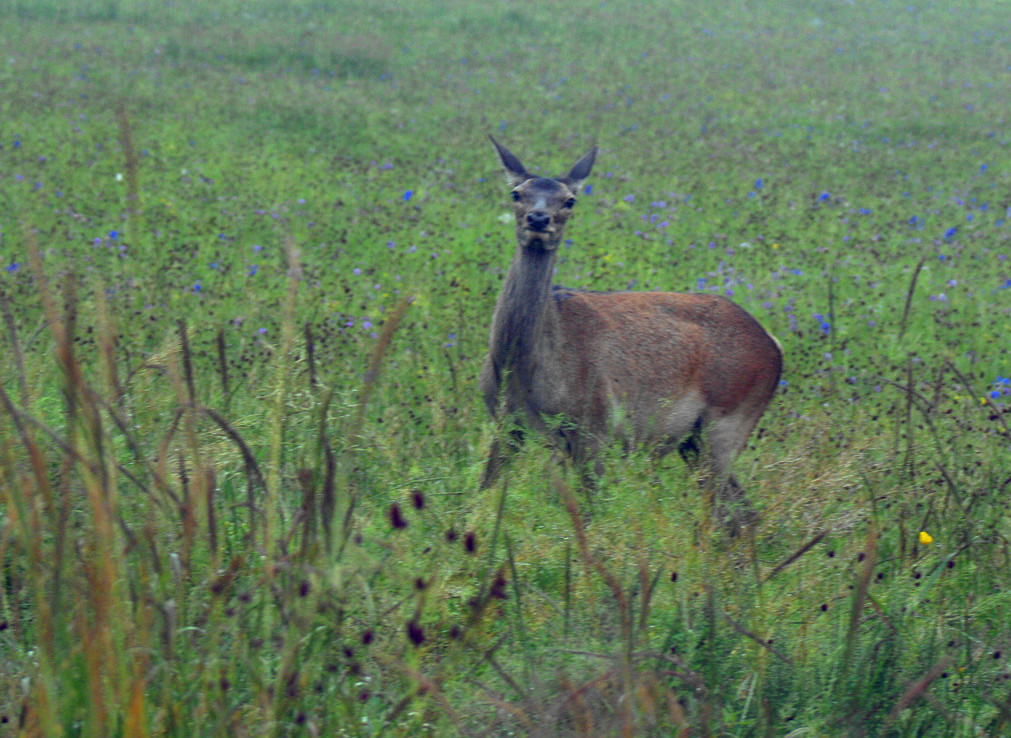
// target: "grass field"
[[250, 254]]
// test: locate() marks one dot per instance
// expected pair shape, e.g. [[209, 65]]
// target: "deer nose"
[[538, 220]]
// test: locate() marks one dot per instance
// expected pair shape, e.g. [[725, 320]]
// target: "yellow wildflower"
[[925, 538]]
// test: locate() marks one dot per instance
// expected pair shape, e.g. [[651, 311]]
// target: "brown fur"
[[671, 370]]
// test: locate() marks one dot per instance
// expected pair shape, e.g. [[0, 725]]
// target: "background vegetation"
[[250, 254]]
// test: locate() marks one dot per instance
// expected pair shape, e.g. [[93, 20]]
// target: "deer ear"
[[581, 169], [515, 173]]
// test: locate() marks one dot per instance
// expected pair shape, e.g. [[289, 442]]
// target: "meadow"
[[250, 252]]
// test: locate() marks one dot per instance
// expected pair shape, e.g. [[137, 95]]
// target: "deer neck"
[[524, 314]]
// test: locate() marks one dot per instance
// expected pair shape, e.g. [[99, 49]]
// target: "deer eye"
[[516, 196], [570, 203]]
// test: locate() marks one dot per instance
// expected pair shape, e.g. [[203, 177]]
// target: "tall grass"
[[251, 252]]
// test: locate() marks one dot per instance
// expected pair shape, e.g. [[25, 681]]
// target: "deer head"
[[543, 205]]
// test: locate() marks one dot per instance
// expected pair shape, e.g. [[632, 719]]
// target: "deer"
[[668, 370]]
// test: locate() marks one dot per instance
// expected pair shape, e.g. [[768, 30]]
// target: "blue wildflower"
[[14, 266], [408, 195], [824, 196], [950, 233], [758, 183], [588, 190], [113, 235]]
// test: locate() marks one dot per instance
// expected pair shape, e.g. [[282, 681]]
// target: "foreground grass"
[[251, 253]]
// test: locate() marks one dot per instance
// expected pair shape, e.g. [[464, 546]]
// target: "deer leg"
[[591, 474], [584, 451], [499, 455], [735, 510], [724, 439]]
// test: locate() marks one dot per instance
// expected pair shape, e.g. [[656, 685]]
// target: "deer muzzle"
[[538, 221]]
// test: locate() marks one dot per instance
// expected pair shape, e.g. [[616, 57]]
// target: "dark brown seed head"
[[498, 588], [415, 633], [396, 517]]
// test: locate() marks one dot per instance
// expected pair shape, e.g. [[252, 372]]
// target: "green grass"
[[251, 252]]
